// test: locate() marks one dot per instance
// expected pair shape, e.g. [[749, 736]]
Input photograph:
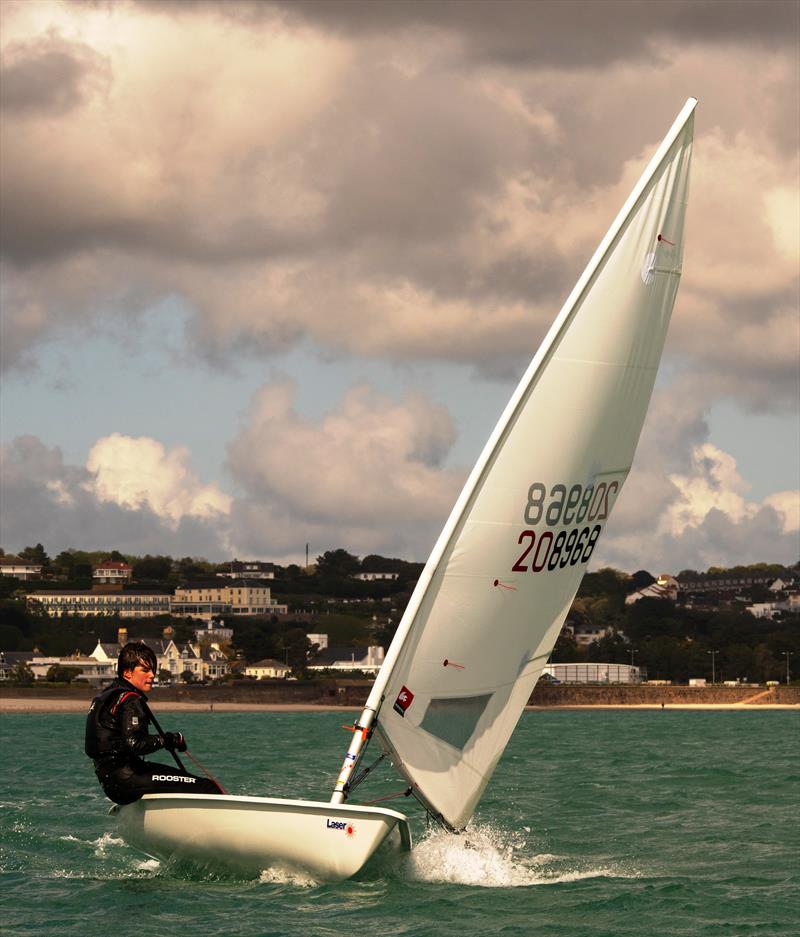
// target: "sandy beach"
[[17, 705]]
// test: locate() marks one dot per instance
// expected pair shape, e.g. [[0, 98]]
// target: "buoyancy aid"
[[103, 737]]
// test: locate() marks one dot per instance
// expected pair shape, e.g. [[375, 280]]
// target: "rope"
[[161, 733], [205, 770], [174, 754], [369, 803], [362, 774]]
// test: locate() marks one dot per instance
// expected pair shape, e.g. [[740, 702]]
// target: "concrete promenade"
[[302, 696]]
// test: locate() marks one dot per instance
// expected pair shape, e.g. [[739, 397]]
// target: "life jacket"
[[102, 736]]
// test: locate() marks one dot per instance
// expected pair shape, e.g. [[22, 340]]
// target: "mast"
[[364, 725]]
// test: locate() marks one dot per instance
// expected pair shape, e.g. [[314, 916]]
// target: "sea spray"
[[482, 855], [103, 842], [490, 857]]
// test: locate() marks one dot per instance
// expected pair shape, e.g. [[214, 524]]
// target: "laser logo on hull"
[[341, 825]]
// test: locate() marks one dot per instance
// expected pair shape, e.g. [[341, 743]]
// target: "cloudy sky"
[[270, 271]]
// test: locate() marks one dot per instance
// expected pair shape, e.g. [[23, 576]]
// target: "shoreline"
[[39, 705]]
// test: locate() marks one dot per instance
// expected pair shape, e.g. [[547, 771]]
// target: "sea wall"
[[354, 693], [313, 692], [643, 695]]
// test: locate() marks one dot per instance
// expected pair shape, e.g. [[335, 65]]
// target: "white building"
[[367, 659], [585, 633], [214, 599], [21, 569], [213, 633], [267, 669], [373, 577], [763, 609], [249, 569], [113, 571], [594, 673], [203, 663], [91, 670], [665, 587], [132, 603]]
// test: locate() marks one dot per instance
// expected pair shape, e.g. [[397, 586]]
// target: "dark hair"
[[137, 652]]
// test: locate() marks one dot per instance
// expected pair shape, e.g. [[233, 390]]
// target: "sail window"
[[453, 719]]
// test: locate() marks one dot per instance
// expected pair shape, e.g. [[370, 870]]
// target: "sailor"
[[117, 736]]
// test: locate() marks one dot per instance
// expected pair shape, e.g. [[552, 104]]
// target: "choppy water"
[[612, 823]]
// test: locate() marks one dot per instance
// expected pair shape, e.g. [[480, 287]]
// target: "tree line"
[[672, 641], [332, 565], [676, 642]]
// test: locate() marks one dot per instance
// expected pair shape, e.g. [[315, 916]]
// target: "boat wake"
[[285, 877], [103, 842], [491, 858]]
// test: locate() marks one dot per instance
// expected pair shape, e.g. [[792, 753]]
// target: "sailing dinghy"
[[493, 596]]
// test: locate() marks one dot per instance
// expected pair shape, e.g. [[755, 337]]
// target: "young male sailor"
[[117, 736]]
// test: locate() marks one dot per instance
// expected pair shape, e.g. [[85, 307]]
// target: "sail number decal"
[[563, 507], [589, 503], [565, 549]]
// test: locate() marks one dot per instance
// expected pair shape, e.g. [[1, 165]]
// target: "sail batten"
[[500, 581]]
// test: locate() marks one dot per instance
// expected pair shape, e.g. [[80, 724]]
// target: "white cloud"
[[685, 503], [787, 505], [139, 472], [367, 474], [713, 483], [48, 501]]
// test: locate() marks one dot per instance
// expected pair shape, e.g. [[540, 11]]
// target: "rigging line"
[[205, 770], [363, 773], [161, 732], [369, 803]]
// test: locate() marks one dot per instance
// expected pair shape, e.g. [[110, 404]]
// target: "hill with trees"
[[673, 640]]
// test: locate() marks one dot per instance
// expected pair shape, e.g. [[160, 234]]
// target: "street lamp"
[[713, 665], [633, 651], [787, 655]]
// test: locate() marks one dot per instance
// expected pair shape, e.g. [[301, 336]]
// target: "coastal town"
[[63, 621]]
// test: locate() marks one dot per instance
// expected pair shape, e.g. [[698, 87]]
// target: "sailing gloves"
[[174, 742]]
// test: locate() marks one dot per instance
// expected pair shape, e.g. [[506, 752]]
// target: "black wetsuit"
[[117, 737]]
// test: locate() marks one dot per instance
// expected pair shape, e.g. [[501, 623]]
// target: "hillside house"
[[202, 662], [113, 572], [19, 568], [268, 669], [665, 587], [249, 569], [209, 600]]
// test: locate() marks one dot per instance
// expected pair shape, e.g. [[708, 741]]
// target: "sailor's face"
[[141, 677]]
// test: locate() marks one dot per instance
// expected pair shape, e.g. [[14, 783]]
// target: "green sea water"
[[596, 824]]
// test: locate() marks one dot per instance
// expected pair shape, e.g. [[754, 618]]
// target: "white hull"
[[331, 842]]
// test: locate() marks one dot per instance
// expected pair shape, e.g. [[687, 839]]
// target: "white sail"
[[494, 595]]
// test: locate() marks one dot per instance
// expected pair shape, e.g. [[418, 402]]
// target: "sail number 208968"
[[563, 507], [565, 549]]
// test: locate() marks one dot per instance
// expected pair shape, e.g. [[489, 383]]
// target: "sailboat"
[[494, 594]]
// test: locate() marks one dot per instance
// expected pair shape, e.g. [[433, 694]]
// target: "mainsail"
[[493, 597]]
